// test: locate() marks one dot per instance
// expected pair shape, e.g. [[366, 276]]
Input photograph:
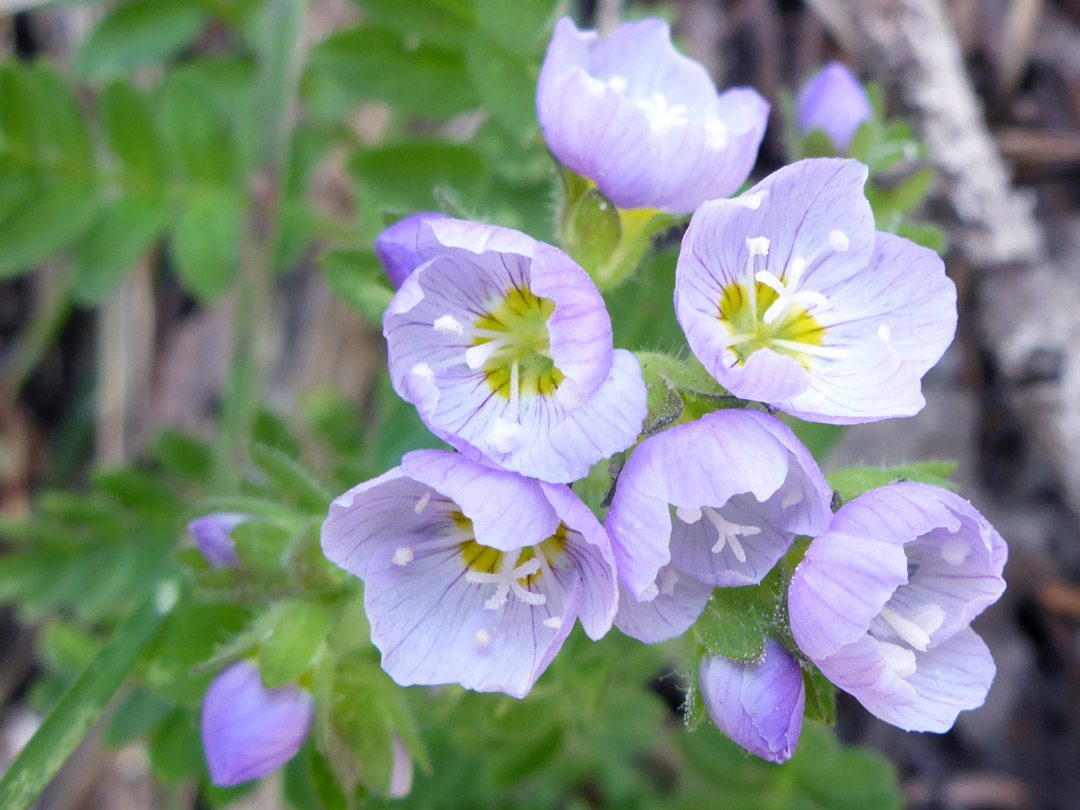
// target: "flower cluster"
[[477, 562]]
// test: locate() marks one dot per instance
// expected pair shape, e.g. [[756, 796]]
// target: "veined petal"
[[396, 247], [679, 603], [760, 705], [642, 121], [248, 731]]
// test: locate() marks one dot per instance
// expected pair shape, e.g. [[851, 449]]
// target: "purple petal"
[[248, 731], [553, 426], [679, 603], [401, 775], [212, 535], [706, 464], [835, 102], [396, 247], [644, 122], [759, 706]]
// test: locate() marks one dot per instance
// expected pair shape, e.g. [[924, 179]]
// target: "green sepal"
[[851, 482], [736, 621], [820, 695]]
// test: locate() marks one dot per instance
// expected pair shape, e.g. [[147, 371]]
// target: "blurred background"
[[189, 191]]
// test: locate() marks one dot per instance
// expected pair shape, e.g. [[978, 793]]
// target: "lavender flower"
[[758, 705], [396, 246], [504, 346], [644, 122], [883, 600], [248, 731], [834, 102], [789, 296], [401, 773], [710, 503], [471, 575], [212, 536]]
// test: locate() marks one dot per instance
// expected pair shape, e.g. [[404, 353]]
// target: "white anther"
[[729, 533], [955, 550], [928, 616], [661, 115], [507, 580], [716, 132], [554, 622], [910, 631], [482, 638], [751, 201], [482, 352], [503, 435], [403, 556], [423, 370], [758, 245], [787, 291], [669, 578], [617, 83], [838, 241], [792, 497], [884, 332], [688, 514], [422, 502], [899, 660], [448, 325]]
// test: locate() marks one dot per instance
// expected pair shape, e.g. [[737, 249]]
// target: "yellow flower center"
[[513, 342]]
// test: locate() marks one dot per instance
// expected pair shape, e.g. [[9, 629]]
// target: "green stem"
[[83, 703]]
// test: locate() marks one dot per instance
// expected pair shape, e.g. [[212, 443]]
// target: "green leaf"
[[505, 83], [817, 437], [182, 455], [402, 176], [139, 714], [422, 22], [852, 482], [176, 751], [921, 233], [262, 545], [83, 703], [197, 131], [292, 479], [902, 198], [128, 124], [381, 65], [124, 233], [299, 629], [736, 620], [206, 244], [357, 278], [48, 224], [593, 230], [820, 696], [522, 27], [67, 649], [271, 430], [836, 777], [643, 316], [61, 115], [144, 32]]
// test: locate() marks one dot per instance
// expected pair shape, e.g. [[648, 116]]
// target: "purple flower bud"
[[396, 246], [401, 773], [212, 535], [835, 102], [883, 601], [758, 705], [248, 731], [642, 121]]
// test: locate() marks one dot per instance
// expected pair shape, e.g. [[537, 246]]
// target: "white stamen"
[[955, 550], [758, 245], [787, 291], [617, 83], [423, 370], [791, 498], [482, 352], [403, 556], [929, 617], [482, 638], [503, 435], [507, 580], [448, 325], [908, 630], [688, 514], [661, 115], [884, 332], [422, 502], [669, 578], [554, 622], [729, 533], [826, 352], [838, 241], [899, 660]]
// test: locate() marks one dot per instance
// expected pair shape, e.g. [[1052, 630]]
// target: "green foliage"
[[144, 32], [851, 482]]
